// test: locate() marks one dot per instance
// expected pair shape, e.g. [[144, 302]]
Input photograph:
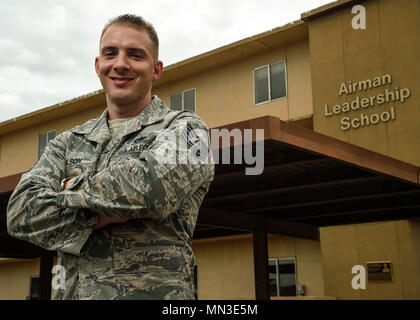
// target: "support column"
[[262, 291]]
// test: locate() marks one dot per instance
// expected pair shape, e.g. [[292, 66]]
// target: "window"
[[44, 138], [270, 82], [184, 100], [282, 277]]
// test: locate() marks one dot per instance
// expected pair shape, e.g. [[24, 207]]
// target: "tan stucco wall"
[[19, 149], [225, 265], [346, 246], [390, 44], [225, 94], [15, 275], [308, 260]]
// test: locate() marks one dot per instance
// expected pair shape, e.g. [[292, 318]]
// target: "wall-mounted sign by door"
[[380, 271]]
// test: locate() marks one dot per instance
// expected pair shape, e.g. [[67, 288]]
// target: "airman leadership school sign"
[[388, 96]]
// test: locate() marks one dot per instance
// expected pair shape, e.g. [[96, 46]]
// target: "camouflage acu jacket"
[[133, 175]]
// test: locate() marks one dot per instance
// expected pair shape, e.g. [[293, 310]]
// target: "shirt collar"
[[97, 129]]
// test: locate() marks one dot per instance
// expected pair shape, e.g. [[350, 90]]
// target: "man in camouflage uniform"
[[118, 196]]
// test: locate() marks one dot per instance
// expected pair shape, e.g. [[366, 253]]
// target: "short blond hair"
[[138, 23]]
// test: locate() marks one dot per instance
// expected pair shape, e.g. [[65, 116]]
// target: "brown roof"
[[328, 8]]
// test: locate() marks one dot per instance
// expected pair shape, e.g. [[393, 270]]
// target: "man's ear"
[[97, 65], [157, 70]]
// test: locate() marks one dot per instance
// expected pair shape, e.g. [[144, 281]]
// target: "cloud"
[[46, 57]]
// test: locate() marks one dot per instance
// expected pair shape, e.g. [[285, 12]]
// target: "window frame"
[[269, 81], [278, 274], [182, 92]]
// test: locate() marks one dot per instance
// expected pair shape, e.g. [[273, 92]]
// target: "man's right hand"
[[67, 183]]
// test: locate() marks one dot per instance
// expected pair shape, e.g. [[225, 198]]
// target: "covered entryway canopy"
[[309, 180]]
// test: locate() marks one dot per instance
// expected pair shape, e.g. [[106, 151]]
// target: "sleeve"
[[153, 185], [32, 211]]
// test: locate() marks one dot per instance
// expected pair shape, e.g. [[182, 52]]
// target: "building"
[[337, 96]]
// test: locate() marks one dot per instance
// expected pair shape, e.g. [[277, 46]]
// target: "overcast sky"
[[48, 47]]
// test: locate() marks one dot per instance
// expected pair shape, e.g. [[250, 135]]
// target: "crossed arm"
[[103, 220], [139, 188]]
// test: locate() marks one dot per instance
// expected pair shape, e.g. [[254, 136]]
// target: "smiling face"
[[127, 68]]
